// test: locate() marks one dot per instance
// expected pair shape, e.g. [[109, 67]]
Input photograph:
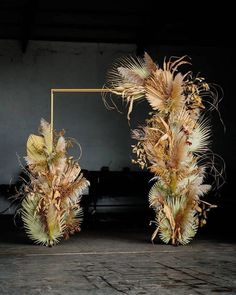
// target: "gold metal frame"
[[71, 90]]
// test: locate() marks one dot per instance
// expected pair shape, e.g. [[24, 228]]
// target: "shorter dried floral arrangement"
[[174, 143], [50, 208]]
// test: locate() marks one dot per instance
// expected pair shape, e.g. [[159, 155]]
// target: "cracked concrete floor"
[[116, 262]]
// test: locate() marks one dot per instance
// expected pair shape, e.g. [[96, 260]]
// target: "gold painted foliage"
[[51, 206], [173, 141]]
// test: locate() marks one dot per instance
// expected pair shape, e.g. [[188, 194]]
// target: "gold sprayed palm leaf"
[[35, 149]]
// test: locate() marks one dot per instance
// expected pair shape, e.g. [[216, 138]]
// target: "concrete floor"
[[115, 261]]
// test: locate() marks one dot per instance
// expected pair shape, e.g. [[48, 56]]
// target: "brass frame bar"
[[72, 90]]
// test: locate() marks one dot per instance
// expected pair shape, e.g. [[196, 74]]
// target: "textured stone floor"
[[116, 262]]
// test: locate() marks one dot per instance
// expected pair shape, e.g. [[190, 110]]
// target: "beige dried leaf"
[[168, 213]]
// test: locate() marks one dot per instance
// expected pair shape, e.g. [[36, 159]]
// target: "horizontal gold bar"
[[84, 90], [70, 90]]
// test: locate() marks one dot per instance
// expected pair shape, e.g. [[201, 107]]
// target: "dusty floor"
[[115, 261]]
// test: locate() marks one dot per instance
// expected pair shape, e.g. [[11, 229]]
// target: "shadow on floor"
[[116, 226]]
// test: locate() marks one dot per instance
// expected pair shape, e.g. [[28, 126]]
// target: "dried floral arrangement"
[[51, 204], [174, 143]]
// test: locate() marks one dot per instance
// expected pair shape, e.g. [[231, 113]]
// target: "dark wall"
[[104, 135]]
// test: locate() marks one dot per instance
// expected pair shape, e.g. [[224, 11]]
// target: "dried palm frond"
[[130, 70], [176, 217], [134, 79], [127, 78], [50, 208], [164, 91], [174, 142], [199, 138]]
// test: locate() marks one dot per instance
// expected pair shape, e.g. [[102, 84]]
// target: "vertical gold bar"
[[52, 109]]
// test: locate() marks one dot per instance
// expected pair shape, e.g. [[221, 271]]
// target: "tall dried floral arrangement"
[[51, 205], [173, 143]]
